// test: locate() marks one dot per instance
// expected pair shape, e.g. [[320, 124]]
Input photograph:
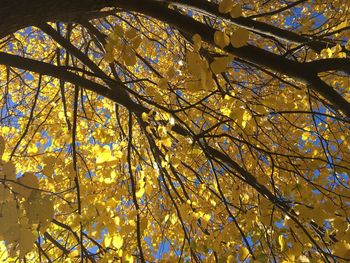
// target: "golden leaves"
[[26, 184], [124, 43], [220, 64], [105, 156], [14, 229], [116, 241], [334, 52], [326, 53], [236, 11], [225, 6], [238, 38], [243, 253], [199, 69], [23, 209], [228, 6], [39, 210]]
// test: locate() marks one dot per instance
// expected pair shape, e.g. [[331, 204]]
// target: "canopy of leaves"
[[174, 130]]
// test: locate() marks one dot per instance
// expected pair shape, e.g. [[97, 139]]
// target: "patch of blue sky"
[[279, 224], [163, 249], [318, 18], [316, 192], [225, 128], [48, 143]]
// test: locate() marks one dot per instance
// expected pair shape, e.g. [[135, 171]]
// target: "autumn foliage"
[[174, 131]]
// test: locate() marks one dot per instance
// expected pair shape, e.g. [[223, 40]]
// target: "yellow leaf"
[[140, 193], [236, 11], [39, 209], [347, 46], [26, 241], [118, 154], [305, 136], [129, 258], [197, 42], [29, 179], [117, 241], [243, 253], [8, 216], [303, 259], [107, 240], [104, 155], [230, 259], [46, 214], [206, 217], [163, 84], [9, 169], [167, 142], [131, 33], [329, 52], [173, 219], [5, 193], [117, 220], [225, 6], [245, 118], [221, 39], [281, 242], [130, 59], [148, 189], [136, 42], [171, 72], [118, 31], [26, 184], [144, 116], [166, 218], [50, 160], [239, 38], [219, 64], [326, 53], [12, 234], [109, 57], [244, 198], [226, 111], [342, 249], [195, 63], [32, 149]]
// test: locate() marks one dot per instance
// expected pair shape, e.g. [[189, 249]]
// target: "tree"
[[142, 131]]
